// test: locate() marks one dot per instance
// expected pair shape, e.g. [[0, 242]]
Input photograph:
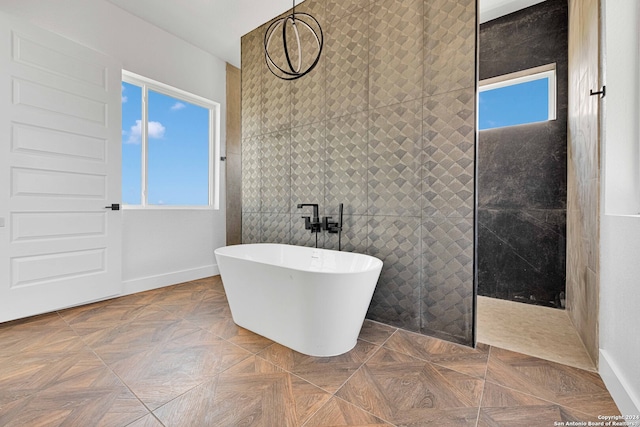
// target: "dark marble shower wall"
[[522, 170], [386, 125]]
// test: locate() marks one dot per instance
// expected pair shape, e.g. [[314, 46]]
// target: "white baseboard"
[[161, 280], [617, 386]]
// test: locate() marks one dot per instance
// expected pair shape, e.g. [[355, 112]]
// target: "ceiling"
[[216, 26], [492, 9]]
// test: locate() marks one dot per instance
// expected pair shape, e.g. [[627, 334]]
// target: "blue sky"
[[178, 171], [511, 105]]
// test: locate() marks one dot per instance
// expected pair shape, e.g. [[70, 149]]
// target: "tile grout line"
[[529, 394], [106, 365], [217, 374], [208, 379], [537, 397], [333, 395], [302, 379], [178, 316], [484, 386], [430, 361], [584, 347], [150, 413], [368, 412], [359, 367]]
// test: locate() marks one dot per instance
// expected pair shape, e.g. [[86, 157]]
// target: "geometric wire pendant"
[[303, 32]]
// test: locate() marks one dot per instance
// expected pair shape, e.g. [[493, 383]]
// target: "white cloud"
[[124, 97], [178, 106], [155, 130]]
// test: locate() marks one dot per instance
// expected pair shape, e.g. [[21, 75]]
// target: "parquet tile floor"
[[174, 357]]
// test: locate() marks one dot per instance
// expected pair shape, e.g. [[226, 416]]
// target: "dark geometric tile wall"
[[386, 125], [522, 170]]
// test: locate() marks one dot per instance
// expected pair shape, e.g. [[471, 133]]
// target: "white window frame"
[[147, 84], [528, 75]]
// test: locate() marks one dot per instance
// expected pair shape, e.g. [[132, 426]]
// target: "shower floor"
[[537, 331]]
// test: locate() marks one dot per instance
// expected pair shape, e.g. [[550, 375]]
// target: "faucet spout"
[[312, 224], [316, 218]]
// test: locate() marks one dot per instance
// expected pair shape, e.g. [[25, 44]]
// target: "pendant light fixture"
[[304, 32]]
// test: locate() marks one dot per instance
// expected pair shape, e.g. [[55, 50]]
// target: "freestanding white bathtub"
[[311, 300]]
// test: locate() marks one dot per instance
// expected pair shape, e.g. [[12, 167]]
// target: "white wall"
[[620, 309], [621, 180], [166, 246], [620, 234]]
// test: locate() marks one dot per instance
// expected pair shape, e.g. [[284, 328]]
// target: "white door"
[[60, 154]]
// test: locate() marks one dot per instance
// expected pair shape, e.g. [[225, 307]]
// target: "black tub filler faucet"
[[315, 225], [311, 224]]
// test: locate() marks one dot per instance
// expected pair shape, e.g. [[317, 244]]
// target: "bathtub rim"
[[376, 265]]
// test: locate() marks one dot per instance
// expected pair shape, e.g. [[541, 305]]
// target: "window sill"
[[167, 208]]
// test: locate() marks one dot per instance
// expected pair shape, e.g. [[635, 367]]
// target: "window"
[[170, 139], [527, 96]]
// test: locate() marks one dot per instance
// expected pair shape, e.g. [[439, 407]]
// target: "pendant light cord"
[[293, 11]]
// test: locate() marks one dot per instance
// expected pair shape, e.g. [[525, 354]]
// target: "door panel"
[[60, 143]]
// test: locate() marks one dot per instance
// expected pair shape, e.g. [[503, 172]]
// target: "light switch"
[[1, 222]]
